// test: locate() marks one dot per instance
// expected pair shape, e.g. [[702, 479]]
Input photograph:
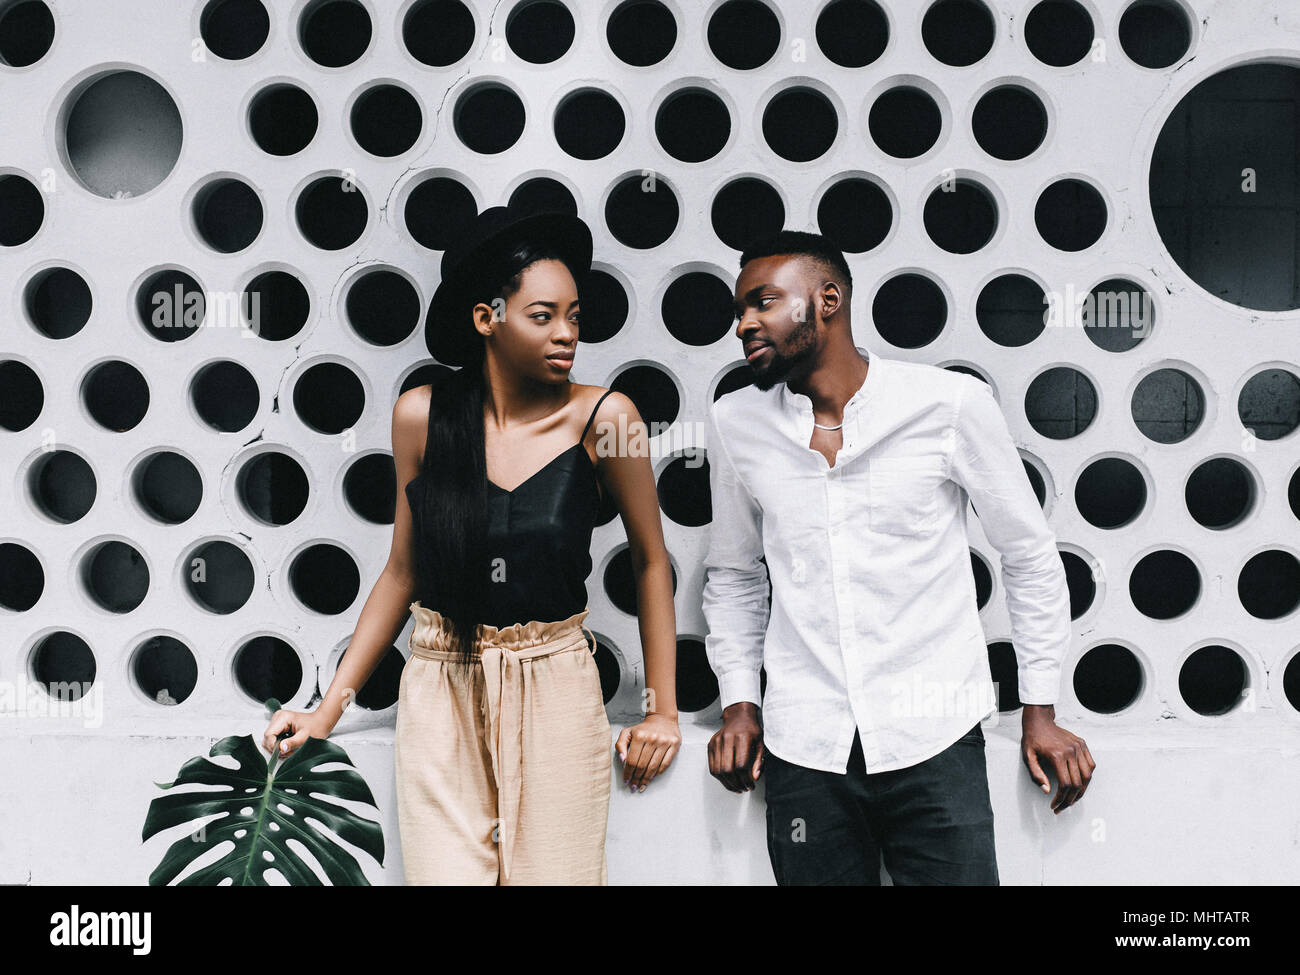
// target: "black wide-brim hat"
[[449, 332]]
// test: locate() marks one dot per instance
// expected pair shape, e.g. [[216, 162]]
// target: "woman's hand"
[[301, 726], [647, 749]]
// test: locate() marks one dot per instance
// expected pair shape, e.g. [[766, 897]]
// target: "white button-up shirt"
[[873, 622]]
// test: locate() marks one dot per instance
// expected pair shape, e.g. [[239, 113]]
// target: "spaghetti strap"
[[593, 415]]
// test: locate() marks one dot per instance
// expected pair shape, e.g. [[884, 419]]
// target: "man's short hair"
[[827, 256]]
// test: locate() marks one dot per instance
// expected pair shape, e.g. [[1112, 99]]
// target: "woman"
[[502, 743]]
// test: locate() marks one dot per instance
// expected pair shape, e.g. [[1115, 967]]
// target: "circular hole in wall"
[[382, 307], [1010, 310], [958, 32], [1212, 680], [744, 34], [331, 212], [1081, 580], [638, 218], [26, 33], [1108, 678], [165, 670], [227, 215], [115, 395], [22, 397], [58, 302], [65, 665], [282, 119], [1164, 584], [1117, 314], [22, 211], [909, 310], [604, 306], [589, 124], [438, 210], [369, 487], [540, 31], [961, 217], [171, 305], [219, 575], [224, 395], [1009, 122], [1269, 584], [904, 122], [800, 124], [852, 33], [276, 305], [697, 687], [234, 29], [266, 667], [1110, 493], [696, 308], [488, 118], [334, 33], [329, 397], [22, 580], [684, 491], [1059, 32], [1217, 211], [438, 32], [1155, 33], [641, 33], [324, 578], [692, 125], [745, 210], [1220, 493], [272, 487], [122, 134], [1070, 215], [1269, 404], [653, 393], [855, 214], [62, 486], [167, 486], [1168, 405], [1060, 403], [386, 120]]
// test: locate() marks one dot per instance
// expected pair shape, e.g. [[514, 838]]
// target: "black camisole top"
[[539, 539]]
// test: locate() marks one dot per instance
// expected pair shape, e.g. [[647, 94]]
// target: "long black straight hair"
[[452, 561]]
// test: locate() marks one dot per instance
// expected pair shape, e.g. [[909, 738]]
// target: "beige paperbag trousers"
[[503, 765]]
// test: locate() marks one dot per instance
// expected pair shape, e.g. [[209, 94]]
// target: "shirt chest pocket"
[[903, 494]]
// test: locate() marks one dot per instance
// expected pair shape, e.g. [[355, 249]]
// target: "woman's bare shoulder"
[[411, 422]]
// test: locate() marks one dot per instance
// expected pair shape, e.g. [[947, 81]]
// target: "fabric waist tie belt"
[[503, 654]]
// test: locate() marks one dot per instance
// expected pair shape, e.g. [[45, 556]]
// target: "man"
[[849, 477]]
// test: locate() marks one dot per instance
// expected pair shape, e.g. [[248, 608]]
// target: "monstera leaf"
[[264, 808]]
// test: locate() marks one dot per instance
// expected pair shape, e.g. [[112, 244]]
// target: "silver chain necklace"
[[823, 426]]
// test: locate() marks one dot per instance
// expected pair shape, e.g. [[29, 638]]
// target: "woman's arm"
[[648, 748], [385, 610]]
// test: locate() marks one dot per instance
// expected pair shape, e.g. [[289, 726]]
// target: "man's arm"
[[736, 608], [986, 464]]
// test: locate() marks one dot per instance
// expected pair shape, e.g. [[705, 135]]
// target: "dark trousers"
[[932, 821]]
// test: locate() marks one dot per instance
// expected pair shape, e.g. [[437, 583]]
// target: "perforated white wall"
[[195, 509]]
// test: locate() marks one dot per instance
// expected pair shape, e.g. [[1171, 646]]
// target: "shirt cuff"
[[739, 685], [1039, 688]]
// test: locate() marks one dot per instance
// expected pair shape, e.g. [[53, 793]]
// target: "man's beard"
[[798, 347]]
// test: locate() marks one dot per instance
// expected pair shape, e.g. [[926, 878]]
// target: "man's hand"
[[736, 751], [1041, 737]]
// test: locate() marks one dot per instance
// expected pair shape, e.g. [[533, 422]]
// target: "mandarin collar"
[[801, 403]]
